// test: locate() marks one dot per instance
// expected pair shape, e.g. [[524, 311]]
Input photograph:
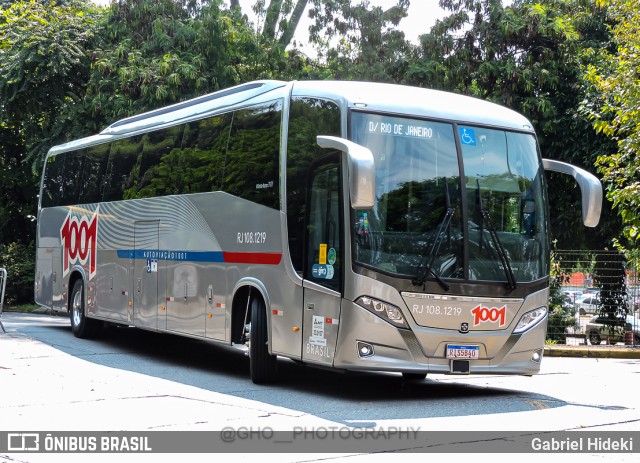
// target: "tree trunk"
[[287, 35], [271, 21]]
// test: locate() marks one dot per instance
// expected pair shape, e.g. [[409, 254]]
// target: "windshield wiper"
[[426, 266], [486, 217]]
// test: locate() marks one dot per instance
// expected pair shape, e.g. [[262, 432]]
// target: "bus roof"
[[416, 101], [379, 97]]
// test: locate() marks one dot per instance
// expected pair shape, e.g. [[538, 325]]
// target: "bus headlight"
[[530, 319], [387, 312]]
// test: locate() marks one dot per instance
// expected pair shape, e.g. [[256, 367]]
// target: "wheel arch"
[[244, 290], [77, 273]]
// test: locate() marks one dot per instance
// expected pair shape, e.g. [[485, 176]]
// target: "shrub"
[[19, 261]]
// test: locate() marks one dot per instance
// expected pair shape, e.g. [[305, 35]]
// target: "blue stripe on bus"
[[192, 256]]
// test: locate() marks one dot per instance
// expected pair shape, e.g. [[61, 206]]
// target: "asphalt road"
[[135, 380]]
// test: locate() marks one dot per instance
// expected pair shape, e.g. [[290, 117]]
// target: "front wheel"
[[263, 366], [594, 338], [81, 326]]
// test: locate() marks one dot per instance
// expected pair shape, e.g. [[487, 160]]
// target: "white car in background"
[[588, 304], [573, 295]]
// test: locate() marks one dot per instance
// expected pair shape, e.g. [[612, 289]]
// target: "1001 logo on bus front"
[[79, 236], [489, 314]]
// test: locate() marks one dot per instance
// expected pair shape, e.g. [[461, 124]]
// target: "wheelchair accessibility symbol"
[[467, 136], [152, 265]]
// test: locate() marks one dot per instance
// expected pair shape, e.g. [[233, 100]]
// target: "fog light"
[[365, 349], [537, 356]]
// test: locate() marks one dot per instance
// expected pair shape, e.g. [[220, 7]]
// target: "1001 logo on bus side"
[[79, 236]]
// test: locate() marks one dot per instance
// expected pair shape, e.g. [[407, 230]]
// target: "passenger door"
[[323, 262]]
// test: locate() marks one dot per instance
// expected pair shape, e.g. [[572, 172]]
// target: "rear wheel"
[[263, 366], [594, 338], [81, 326]]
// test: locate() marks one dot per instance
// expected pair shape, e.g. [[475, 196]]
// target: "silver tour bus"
[[353, 225]]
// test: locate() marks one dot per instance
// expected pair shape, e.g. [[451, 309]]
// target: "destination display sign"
[[401, 127]]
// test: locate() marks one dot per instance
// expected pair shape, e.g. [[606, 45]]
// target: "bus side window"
[[251, 169], [201, 161], [308, 118], [73, 171], [157, 148], [121, 167], [53, 181], [95, 167]]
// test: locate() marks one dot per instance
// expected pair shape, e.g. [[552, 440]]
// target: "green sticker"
[[331, 256]]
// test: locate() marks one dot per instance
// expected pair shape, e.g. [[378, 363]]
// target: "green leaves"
[[615, 84]]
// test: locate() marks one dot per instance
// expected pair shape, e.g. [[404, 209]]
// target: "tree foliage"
[[615, 79], [157, 52], [44, 64], [18, 259], [369, 46]]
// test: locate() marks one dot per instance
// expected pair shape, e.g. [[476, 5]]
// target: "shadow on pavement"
[[353, 398]]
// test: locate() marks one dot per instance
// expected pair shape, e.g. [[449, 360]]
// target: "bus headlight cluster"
[[386, 311], [530, 319]]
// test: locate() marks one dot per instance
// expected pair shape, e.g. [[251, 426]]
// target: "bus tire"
[[263, 366], [81, 326]]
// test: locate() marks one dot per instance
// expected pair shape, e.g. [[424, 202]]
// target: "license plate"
[[463, 352]]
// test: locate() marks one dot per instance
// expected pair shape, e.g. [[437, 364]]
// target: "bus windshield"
[[420, 227]]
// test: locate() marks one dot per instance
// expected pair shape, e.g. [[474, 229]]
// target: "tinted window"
[[234, 152], [252, 160], [53, 180], [324, 255], [122, 168], [73, 169], [93, 174], [308, 118], [156, 147], [200, 164]]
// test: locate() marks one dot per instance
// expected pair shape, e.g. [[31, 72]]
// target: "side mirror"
[[590, 187], [362, 173]]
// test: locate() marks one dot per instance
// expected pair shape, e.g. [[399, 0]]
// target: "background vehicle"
[[573, 295], [588, 304], [343, 224], [613, 330]]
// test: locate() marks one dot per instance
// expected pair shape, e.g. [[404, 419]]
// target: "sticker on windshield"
[[323, 272], [331, 256], [322, 254], [467, 136]]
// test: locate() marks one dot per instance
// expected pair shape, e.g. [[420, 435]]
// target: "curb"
[[612, 352]]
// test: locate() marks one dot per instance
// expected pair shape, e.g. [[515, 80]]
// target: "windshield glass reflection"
[[416, 227]]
